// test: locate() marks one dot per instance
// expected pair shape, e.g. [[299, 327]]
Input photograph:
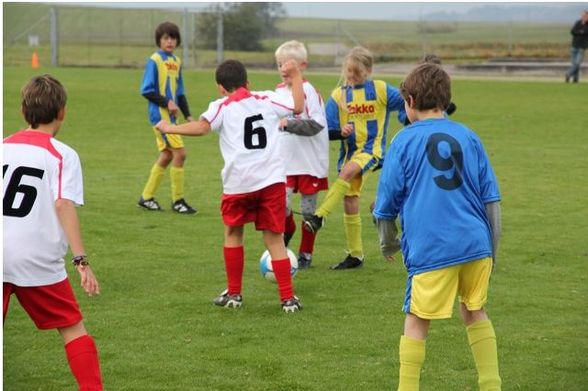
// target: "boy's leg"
[[482, 340], [280, 263], [352, 221], [6, 292], [234, 256], [308, 203], [177, 173], [290, 227], [412, 352], [82, 357]]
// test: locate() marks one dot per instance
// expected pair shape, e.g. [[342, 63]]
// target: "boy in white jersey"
[[254, 173], [307, 158], [42, 184]]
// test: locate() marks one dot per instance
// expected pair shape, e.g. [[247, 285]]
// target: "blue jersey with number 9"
[[437, 176]]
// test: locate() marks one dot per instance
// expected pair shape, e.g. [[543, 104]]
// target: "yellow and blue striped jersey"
[[367, 107], [163, 76]]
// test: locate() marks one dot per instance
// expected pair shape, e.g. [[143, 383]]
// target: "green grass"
[[154, 322]]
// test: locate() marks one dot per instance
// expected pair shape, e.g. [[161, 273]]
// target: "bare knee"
[[179, 157], [472, 316], [70, 333], [165, 157]]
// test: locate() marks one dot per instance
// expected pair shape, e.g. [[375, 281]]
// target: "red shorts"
[[266, 207], [49, 306], [307, 184]]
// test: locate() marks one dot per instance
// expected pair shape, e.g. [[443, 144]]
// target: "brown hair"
[[42, 99], [231, 74], [170, 29], [429, 85]]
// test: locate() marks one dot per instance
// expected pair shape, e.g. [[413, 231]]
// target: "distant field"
[[122, 37], [155, 325]]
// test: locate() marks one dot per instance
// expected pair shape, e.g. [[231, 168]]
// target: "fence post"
[[186, 40], [219, 37], [54, 36]]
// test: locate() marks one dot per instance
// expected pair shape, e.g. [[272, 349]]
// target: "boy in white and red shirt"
[[42, 185], [254, 172], [307, 158]]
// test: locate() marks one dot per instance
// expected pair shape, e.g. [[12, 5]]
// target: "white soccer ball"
[[266, 269]]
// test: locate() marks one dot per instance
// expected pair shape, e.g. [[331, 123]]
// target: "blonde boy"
[[306, 158]]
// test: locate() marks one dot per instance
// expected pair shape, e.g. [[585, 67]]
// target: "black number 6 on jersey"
[[29, 193], [452, 162], [250, 132]]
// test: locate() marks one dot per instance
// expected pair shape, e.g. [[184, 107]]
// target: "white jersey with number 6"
[[37, 171], [247, 123]]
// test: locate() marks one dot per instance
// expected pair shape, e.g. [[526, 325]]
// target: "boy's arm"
[[184, 108], [68, 218], [302, 127], [494, 217], [193, 128], [388, 234], [291, 69]]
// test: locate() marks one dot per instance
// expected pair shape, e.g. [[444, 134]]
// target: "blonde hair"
[[292, 49], [362, 62]]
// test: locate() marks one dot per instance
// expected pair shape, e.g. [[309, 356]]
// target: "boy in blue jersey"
[[357, 114], [163, 87], [438, 178]]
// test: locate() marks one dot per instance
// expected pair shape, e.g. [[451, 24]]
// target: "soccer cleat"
[[304, 262], [348, 263], [181, 206], [287, 238], [291, 305], [313, 223], [149, 204], [228, 301]]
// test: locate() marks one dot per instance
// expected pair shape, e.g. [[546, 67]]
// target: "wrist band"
[[80, 260]]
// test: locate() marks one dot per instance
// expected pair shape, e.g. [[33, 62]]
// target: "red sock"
[[283, 277], [83, 361], [234, 261], [290, 225], [307, 242]]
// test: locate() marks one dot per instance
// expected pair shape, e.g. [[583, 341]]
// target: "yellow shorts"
[[431, 295], [367, 163], [167, 141]]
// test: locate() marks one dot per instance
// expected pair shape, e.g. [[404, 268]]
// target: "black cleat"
[[228, 301], [304, 262], [313, 223], [149, 204], [181, 206], [291, 305], [348, 263]]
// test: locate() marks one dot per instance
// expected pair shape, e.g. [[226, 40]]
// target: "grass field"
[[154, 322]]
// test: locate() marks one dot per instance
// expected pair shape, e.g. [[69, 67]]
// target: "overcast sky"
[[374, 10]]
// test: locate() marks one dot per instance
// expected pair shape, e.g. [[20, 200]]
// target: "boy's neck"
[[50, 128], [430, 114]]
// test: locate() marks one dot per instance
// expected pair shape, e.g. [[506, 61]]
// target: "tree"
[[244, 24]]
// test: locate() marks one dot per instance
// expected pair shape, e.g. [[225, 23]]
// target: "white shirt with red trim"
[[38, 170], [307, 155], [247, 123]]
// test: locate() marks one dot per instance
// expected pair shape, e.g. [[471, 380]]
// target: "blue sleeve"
[[180, 87], [390, 193], [332, 110], [395, 102], [488, 183], [150, 78]]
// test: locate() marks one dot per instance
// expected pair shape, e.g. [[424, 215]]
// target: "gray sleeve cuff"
[[303, 127], [388, 233]]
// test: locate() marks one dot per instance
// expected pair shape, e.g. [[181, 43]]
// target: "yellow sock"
[[483, 344], [153, 182], [334, 197], [177, 182], [412, 356], [353, 234]]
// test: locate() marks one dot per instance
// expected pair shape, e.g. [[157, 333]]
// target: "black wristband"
[[80, 260]]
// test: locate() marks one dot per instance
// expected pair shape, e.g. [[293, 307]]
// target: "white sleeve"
[[214, 115], [72, 183], [282, 105]]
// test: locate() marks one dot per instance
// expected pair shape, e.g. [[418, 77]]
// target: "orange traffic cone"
[[35, 61]]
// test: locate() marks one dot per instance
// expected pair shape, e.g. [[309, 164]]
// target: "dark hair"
[[429, 85], [170, 29], [42, 99], [432, 58], [231, 74]]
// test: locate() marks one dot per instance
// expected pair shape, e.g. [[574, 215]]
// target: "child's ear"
[[61, 114], [411, 102]]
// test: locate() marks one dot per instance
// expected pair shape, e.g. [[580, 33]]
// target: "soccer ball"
[[266, 269]]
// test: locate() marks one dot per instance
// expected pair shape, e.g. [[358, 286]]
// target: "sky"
[[383, 10]]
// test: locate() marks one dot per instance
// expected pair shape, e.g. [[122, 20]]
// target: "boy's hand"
[[88, 280], [290, 68], [347, 130], [190, 119], [163, 126], [283, 123], [172, 108]]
